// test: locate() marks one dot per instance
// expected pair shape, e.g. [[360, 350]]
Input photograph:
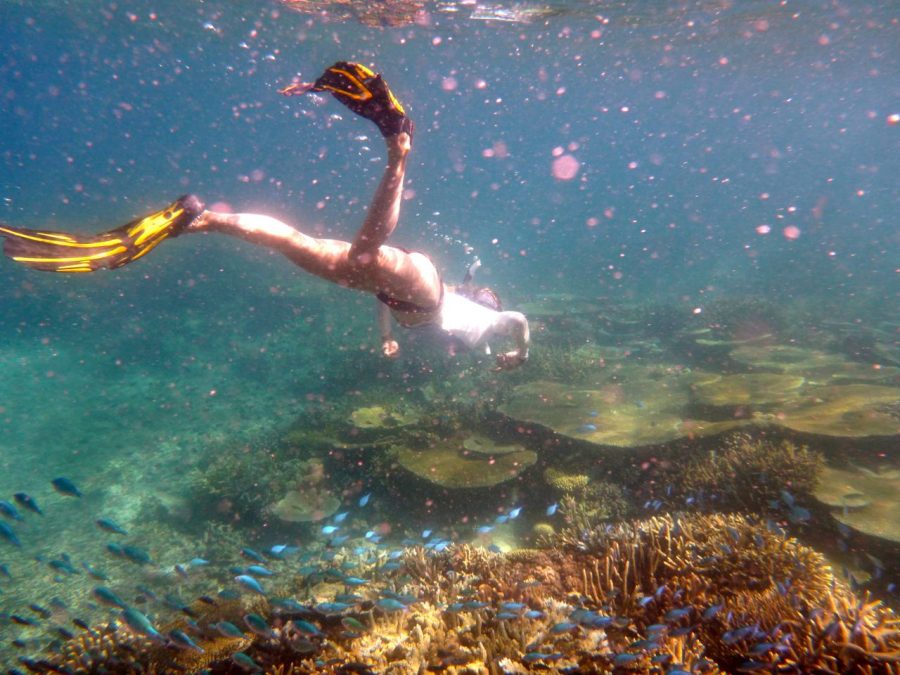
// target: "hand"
[[510, 360], [390, 349]]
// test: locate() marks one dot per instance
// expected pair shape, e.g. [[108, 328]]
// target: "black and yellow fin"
[[65, 252], [366, 93]]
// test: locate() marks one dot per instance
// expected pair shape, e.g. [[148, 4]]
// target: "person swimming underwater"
[[407, 285]]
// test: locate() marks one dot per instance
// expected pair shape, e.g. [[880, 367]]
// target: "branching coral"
[[702, 593], [748, 473]]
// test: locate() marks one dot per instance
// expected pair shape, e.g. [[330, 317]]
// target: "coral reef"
[[309, 498], [585, 503], [745, 472], [865, 500], [700, 593]]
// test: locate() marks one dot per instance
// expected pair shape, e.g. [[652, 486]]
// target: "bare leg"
[[366, 264], [384, 210]]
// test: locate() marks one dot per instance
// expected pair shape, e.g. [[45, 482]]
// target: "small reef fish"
[[228, 629], [341, 517], [180, 639], [26, 501], [250, 583], [515, 513], [9, 534], [10, 511], [65, 487], [365, 499], [260, 571], [252, 555], [306, 627], [109, 525], [108, 597], [329, 529], [245, 662], [258, 625], [141, 624], [390, 605], [586, 428], [136, 555], [551, 510]]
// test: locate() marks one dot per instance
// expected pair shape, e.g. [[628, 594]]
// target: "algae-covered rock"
[[752, 389], [449, 464], [382, 417], [306, 506], [639, 411], [815, 365], [847, 410], [487, 446], [866, 501]]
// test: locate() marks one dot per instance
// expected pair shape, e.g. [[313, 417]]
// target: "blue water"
[[719, 150]]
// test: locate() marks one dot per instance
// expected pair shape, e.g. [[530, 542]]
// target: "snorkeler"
[[406, 283]]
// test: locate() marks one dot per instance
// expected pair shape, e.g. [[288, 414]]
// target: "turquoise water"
[[723, 155]]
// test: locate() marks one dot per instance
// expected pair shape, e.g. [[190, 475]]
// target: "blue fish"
[[515, 513], [250, 583], [181, 639], [136, 554], [99, 575], [253, 555], [341, 517], [390, 605], [485, 529], [306, 627], [145, 591], [28, 502], [108, 597], [9, 534], [798, 514], [426, 534], [365, 499], [551, 510], [355, 581], [245, 662], [329, 529], [710, 612], [10, 511], [141, 624], [109, 525], [228, 629], [260, 571], [678, 613], [258, 625], [65, 487]]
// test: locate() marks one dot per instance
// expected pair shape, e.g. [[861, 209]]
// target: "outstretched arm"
[[514, 325], [389, 346]]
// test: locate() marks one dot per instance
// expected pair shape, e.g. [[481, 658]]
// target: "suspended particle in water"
[[565, 167], [791, 232]]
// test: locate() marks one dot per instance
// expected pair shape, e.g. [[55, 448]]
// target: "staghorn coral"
[[748, 473], [702, 593], [584, 502]]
